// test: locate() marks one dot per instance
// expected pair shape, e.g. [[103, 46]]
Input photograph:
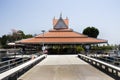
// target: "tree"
[[0, 42], [4, 40], [14, 36], [91, 32], [17, 35], [28, 36], [21, 34]]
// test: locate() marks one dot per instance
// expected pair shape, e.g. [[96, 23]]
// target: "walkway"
[[64, 67]]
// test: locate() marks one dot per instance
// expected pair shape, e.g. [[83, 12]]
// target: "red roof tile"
[[60, 37], [63, 40], [64, 34]]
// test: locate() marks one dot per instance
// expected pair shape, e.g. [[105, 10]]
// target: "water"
[[3, 53]]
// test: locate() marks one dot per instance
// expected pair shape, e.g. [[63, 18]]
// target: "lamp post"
[[43, 48]]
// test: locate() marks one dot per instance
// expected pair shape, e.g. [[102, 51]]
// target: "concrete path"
[[64, 67]]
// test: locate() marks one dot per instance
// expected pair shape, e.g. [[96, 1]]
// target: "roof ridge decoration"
[[60, 23], [60, 15]]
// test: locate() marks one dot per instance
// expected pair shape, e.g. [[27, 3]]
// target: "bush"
[[79, 49]]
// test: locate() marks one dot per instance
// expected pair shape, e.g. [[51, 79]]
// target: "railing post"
[[116, 73], [22, 60], [8, 64]]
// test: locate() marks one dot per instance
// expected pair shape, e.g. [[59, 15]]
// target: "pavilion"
[[60, 35]]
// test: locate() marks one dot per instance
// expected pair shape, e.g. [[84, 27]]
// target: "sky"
[[32, 16]]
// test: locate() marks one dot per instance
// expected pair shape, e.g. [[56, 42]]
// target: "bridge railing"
[[111, 60], [9, 64], [14, 73], [114, 70]]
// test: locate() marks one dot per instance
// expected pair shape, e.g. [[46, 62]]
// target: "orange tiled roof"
[[64, 34], [67, 37], [63, 40]]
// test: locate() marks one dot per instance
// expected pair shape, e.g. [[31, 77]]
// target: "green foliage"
[[16, 35], [3, 40], [79, 48], [28, 36], [102, 48], [0, 41], [91, 32], [21, 34]]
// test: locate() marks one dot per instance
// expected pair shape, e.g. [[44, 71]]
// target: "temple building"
[[61, 35]]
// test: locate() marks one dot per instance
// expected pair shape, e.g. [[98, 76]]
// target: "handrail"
[[6, 65], [20, 69], [102, 65], [111, 60]]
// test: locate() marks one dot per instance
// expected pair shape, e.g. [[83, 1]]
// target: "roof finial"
[[66, 17], [54, 17], [61, 15]]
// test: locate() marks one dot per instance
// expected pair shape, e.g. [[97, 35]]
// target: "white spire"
[[61, 15]]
